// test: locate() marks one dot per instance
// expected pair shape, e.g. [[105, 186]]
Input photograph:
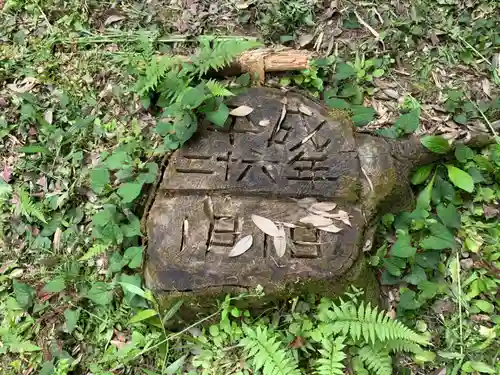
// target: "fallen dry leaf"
[[264, 122], [324, 206], [24, 86], [113, 19], [490, 211], [316, 220], [306, 202], [305, 39], [208, 208], [330, 228], [56, 242], [48, 116], [343, 217], [241, 111], [241, 246], [279, 242], [305, 110], [266, 225], [297, 342]]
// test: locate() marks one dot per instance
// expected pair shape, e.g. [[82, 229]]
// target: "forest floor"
[[71, 297]]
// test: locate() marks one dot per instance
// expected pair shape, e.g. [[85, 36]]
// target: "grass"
[[78, 153]]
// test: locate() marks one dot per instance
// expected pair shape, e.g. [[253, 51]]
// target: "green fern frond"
[[28, 208], [397, 345], [332, 356], [217, 89], [266, 352], [220, 54], [155, 71], [171, 88], [95, 250], [378, 361], [369, 324]]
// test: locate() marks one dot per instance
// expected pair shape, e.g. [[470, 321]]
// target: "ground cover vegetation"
[[92, 96]]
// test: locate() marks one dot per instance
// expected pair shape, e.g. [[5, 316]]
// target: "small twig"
[[474, 49], [371, 29], [483, 116], [46, 19], [368, 179]]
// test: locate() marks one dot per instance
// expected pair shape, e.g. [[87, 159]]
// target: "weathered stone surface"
[[213, 185]]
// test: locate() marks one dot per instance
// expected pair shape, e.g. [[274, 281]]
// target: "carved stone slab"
[[215, 183]]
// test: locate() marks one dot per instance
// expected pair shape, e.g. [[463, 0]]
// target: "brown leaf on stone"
[[316, 220], [306, 202], [305, 110], [324, 206], [208, 209], [330, 228], [490, 211], [265, 122], [266, 225], [480, 318], [241, 111], [241, 246], [279, 242]]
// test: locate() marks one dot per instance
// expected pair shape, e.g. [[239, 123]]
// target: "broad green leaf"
[[361, 116], [391, 133], [55, 286], [443, 190], [421, 174], [378, 73], [116, 262], [192, 98], [172, 311], [416, 275], [133, 228], [463, 153], [408, 300], [424, 198], [428, 290], [47, 368], [473, 366], [99, 178], [436, 144], [460, 118], [23, 294], [336, 103], [133, 256], [449, 215], [134, 289], [218, 117], [409, 122], [24, 346], [143, 315], [33, 149], [344, 71], [118, 160], [71, 319], [174, 367], [129, 191], [439, 239], [484, 306], [460, 178], [100, 293], [402, 247]]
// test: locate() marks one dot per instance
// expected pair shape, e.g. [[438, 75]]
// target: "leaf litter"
[[241, 111], [242, 246]]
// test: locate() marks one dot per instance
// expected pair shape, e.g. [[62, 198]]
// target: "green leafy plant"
[[183, 95]]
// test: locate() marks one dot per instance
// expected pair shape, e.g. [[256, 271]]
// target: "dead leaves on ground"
[[319, 216]]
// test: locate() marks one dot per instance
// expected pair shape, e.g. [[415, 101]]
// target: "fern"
[[368, 323], [155, 71], [332, 356], [217, 89], [95, 250], [28, 208], [265, 350], [220, 54], [397, 345], [378, 361]]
